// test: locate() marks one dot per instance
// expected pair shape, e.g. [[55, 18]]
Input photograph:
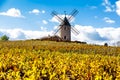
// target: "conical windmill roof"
[[65, 22]]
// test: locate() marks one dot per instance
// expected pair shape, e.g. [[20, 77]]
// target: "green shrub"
[[4, 38]]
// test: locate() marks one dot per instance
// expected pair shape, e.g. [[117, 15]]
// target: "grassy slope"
[[58, 60]]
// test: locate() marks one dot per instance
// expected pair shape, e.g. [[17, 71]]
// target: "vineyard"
[[49, 60]]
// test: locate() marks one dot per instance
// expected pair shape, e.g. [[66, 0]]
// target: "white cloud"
[[44, 22], [93, 7], [110, 33], [108, 20], [54, 20], [97, 35], [43, 28], [16, 34], [36, 11], [95, 17], [43, 11], [13, 33], [36, 34], [12, 12], [118, 7], [87, 34], [109, 7]]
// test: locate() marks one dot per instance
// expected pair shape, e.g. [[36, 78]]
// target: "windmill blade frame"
[[74, 30], [73, 14], [57, 30], [55, 14]]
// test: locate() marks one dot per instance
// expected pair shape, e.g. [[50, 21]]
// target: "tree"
[[4, 38], [105, 44]]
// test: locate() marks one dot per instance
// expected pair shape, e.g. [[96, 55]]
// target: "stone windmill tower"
[[65, 27]]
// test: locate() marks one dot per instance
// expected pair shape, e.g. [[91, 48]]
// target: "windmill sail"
[[55, 14], [73, 14], [75, 31]]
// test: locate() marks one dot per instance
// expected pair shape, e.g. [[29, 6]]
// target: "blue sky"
[[97, 20]]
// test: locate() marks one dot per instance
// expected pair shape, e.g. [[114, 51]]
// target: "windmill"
[[65, 27]]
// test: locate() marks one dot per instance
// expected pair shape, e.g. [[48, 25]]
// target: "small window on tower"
[[64, 37]]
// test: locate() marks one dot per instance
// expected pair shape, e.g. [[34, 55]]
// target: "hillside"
[[49, 60], [60, 47]]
